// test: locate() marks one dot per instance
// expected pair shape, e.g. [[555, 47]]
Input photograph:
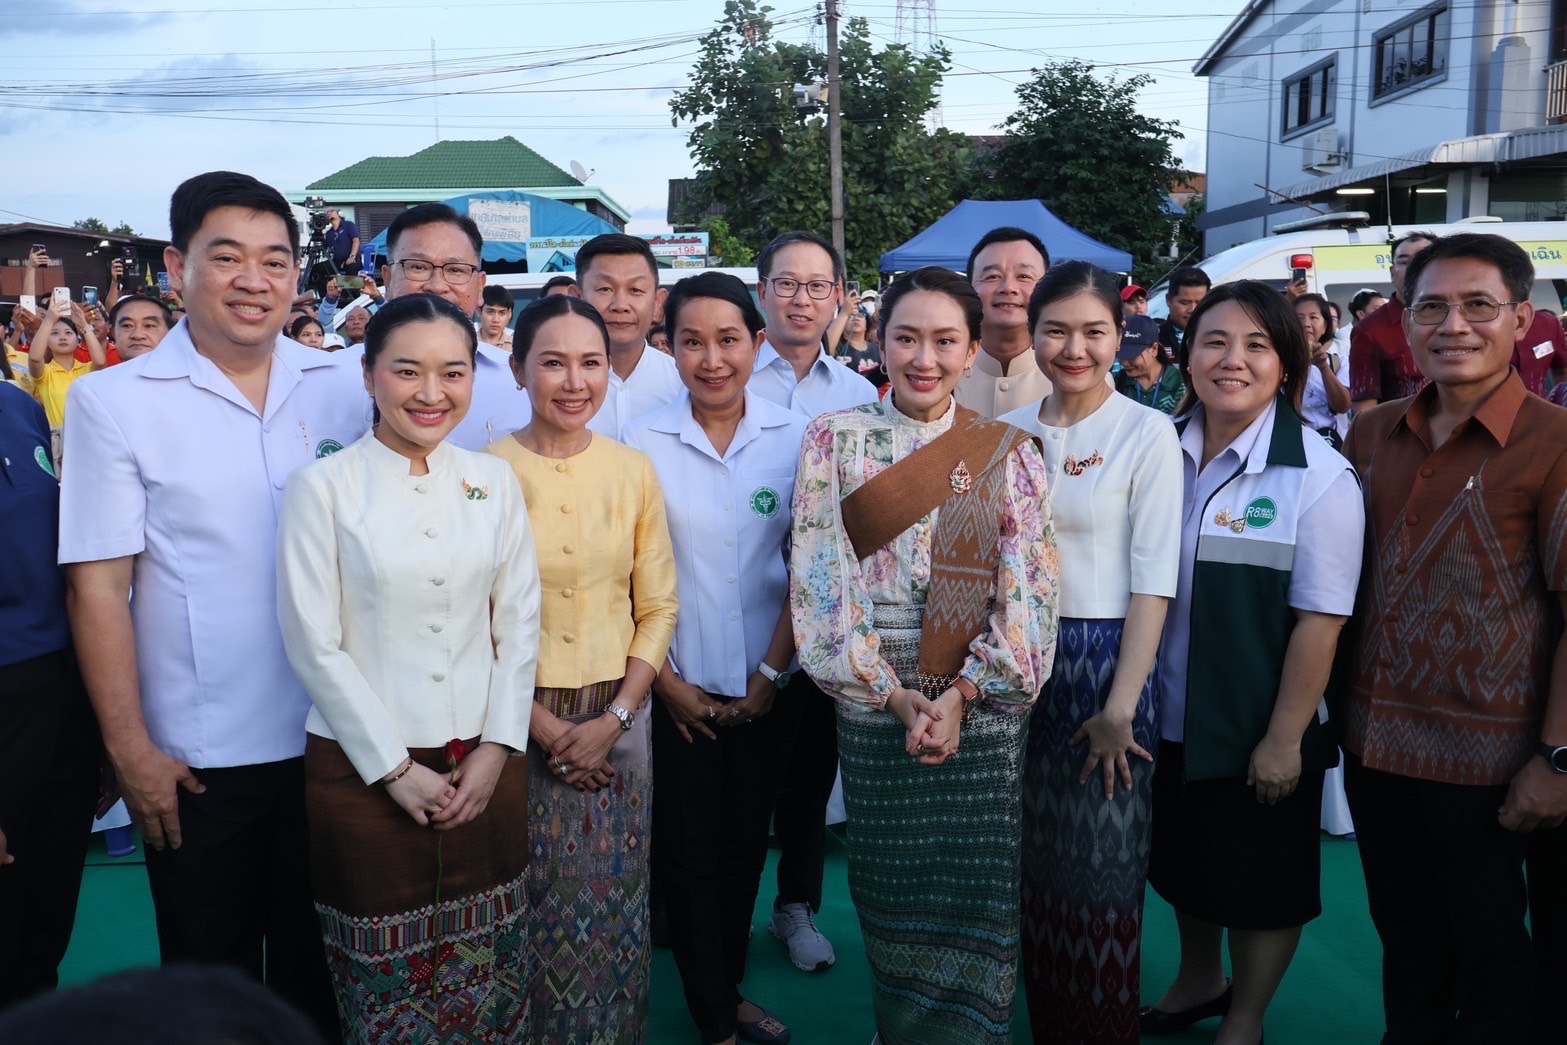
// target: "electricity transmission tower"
[[916, 27]]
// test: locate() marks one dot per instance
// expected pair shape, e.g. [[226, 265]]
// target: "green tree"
[[97, 225], [766, 160], [725, 246], [1078, 144]]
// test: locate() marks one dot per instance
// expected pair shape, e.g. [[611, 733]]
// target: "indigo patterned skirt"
[[588, 888], [1085, 859], [933, 863], [423, 928]]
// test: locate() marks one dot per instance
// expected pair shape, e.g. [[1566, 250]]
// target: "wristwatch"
[[626, 717], [779, 679], [1555, 757]]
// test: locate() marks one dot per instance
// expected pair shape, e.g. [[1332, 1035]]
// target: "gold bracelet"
[[401, 773]]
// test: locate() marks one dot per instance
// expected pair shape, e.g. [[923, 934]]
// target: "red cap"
[[1128, 293]]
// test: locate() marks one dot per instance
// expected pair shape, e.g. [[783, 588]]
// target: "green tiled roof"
[[504, 163]]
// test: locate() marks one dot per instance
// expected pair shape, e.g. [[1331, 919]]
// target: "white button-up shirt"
[[828, 385], [728, 521], [498, 408], [654, 384], [170, 463], [409, 604]]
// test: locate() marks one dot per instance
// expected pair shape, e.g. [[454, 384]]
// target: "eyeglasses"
[[820, 289], [1476, 310], [454, 273]]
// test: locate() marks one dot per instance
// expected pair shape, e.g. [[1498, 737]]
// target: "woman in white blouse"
[[1114, 475], [1325, 404], [726, 460], [408, 593]]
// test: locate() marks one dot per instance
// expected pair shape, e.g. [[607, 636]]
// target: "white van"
[[1340, 261]]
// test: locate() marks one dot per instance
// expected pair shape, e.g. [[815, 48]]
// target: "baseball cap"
[[1128, 293], [1141, 334]]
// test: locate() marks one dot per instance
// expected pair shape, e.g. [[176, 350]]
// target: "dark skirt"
[[424, 929], [1221, 856], [1085, 858]]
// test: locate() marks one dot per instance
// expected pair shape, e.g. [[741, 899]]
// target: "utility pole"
[[835, 127]]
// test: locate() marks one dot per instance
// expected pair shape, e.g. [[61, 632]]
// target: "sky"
[[106, 105]]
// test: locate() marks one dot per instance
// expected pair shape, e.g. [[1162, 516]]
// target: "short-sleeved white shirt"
[[499, 407], [654, 384], [728, 522], [170, 463], [828, 385]]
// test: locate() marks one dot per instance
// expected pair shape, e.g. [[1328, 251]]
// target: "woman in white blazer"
[[408, 593]]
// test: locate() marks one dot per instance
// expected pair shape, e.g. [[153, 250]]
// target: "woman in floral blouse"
[[923, 596]]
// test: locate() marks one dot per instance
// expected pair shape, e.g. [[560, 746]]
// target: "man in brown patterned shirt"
[[1455, 705]]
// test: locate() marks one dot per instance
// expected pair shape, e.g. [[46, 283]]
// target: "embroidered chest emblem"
[[960, 479], [327, 447], [475, 493], [41, 459], [1073, 466], [765, 502]]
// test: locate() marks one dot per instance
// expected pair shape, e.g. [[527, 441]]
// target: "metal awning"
[[1457, 152]]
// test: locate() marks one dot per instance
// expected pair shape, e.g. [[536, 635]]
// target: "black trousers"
[[1447, 893], [809, 733], [1547, 867], [237, 890], [50, 756], [715, 798]]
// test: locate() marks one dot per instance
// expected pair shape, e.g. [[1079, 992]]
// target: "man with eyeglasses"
[[801, 291], [1456, 697], [431, 249]]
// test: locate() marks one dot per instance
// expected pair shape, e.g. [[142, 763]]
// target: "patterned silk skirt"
[[588, 887], [933, 863], [423, 928], [1085, 859]]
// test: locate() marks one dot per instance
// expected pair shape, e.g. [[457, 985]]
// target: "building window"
[[1411, 52], [1308, 97]]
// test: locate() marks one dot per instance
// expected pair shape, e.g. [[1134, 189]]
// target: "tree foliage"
[[725, 246], [97, 225], [1078, 144], [766, 161]]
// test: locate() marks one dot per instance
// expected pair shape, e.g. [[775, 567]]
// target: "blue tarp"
[[549, 218], [948, 242]]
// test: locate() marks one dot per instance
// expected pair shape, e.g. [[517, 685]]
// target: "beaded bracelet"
[[400, 774]]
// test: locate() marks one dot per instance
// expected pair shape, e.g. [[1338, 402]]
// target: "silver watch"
[[626, 717]]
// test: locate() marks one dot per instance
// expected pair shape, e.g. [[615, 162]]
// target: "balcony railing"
[[1556, 92]]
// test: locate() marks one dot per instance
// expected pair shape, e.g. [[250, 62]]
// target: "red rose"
[[456, 751]]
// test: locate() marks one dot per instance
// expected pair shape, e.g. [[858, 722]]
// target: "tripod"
[[315, 263]]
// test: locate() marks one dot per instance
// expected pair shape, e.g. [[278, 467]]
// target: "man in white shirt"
[[1004, 267], [178, 461], [618, 275], [801, 290], [431, 249]]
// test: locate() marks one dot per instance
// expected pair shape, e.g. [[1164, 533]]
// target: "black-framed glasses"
[[1475, 310], [454, 272], [819, 289]]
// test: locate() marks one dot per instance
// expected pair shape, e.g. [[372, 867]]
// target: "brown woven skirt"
[[424, 929]]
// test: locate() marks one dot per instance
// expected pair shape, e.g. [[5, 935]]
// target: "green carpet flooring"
[[1332, 993]]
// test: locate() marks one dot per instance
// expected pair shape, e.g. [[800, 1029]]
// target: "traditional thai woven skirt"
[[409, 964], [1085, 859], [588, 887], [933, 863]]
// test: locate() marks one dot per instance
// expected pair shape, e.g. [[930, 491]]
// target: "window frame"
[[1437, 18], [1307, 78]]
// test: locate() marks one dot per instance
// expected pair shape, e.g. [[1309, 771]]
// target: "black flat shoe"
[[1156, 1022]]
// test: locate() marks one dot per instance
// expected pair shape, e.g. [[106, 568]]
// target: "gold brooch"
[[475, 493], [1073, 466], [1224, 519], [961, 480]]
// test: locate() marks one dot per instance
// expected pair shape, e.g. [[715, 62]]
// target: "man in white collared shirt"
[[178, 464], [801, 290], [431, 249], [1004, 267], [619, 276]]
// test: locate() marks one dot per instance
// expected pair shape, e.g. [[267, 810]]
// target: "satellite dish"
[[580, 172]]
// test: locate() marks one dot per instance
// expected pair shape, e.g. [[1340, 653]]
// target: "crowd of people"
[[439, 667]]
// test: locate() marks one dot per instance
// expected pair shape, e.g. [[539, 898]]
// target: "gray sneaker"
[[808, 949]]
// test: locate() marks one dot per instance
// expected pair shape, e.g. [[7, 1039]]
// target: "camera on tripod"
[[315, 261]]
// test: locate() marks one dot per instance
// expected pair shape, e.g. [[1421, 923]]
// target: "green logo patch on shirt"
[[42, 457], [1261, 512], [327, 447], [765, 502]]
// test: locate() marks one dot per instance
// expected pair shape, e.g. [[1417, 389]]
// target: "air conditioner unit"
[[1319, 151]]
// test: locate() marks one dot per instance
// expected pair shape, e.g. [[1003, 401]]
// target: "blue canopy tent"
[[947, 243], [508, 219]]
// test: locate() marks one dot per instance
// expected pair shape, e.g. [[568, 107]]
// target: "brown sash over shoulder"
[[963, 474]]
